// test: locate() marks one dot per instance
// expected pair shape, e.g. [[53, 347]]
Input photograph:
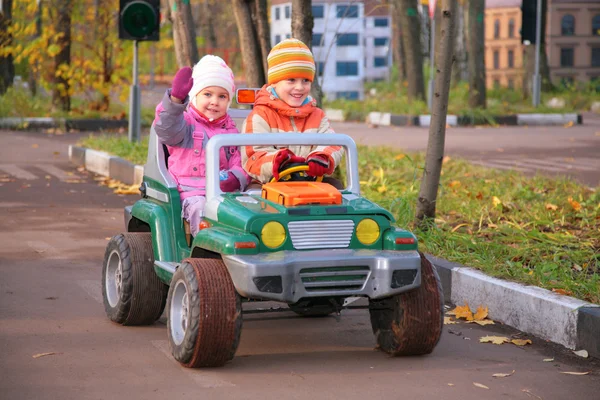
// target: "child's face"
[[212, 101], [293, 91]]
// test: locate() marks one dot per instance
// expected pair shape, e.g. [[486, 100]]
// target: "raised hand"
[[182, 83]]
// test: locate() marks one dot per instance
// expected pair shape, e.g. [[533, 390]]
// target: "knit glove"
[[319, 165], [230, 184], [283, 157], [182, 83]]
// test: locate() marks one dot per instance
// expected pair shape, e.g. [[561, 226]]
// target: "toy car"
[[302, 243]]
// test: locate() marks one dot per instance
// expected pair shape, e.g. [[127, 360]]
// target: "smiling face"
[[293, 91], [212, 101]]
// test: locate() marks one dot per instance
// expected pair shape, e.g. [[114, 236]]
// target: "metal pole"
[[134, 100], [538, 36], [432, 60]]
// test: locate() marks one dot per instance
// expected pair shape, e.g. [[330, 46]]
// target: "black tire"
[[410, 323], [132, 293], [204, 314], [319, 307]]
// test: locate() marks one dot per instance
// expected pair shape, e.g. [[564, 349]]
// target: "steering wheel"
[[296, 172]]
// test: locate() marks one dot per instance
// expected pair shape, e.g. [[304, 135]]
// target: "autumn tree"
[[475, 47], [397, 43], [411, 40], [184, 33], [7, 68], [60, 13], [253, 30], [207, 24]]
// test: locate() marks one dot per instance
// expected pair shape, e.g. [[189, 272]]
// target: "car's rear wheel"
[[132, 293], [410, 323], [204, 314], [320, 307]]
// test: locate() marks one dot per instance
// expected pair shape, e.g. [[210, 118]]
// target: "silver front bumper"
[[324, 273]]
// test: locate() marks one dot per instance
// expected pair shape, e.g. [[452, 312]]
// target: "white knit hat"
[[211, 71]]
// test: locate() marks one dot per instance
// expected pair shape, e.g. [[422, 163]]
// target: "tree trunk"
[[302, 29], [475, 47], [208, 29], [411, 39], [7, 67], [426, 203], [33, 69], [263, 31], [60, 93], [459, 67], [529, 60], [184, 33], [251, 50], [397, 45]]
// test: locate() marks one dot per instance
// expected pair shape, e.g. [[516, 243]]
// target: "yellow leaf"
[[446, 159], [50, 353], [462, 312], [548, 359], [521, 342], [552, 207], [35, 145], [451, 384], [382, 189], [457, 227], [399, 156], [481, 313], [499, 375], [569, 124], [454, 184], [485, 322], [575, 373], [494, 339], [378, 173], [449, 321], [574, 203], [479, 385], [496, 201]]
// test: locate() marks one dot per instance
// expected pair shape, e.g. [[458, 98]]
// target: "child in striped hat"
[[284, 105]]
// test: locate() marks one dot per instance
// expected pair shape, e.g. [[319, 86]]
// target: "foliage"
[[120, 146]]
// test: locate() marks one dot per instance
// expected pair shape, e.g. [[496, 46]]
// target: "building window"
[[317, 39], [346, 68], [496, 29], [287, 12], [380, 41], [277, 13], [511, 59], [496, 59], [318, 11], [595, 56], [596, 25], [380, 62], [381, 22], [567, 55], [511, 84], [347, 39], [347, 95], [277, 39], [511, 28], [567, 25], [320, 68], [288, 35], [347, 11]]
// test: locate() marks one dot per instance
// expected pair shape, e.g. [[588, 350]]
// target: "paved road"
[[53, 231]]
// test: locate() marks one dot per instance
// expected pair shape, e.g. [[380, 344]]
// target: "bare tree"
[[249, 42], [302, 27], [263, 31], [184, 33], [475, 47], [426, 203], [7, 67], [411, 39], [208, 28], [60, 13], [459, 68]]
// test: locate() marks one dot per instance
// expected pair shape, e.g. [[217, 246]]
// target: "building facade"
[[351, 43]]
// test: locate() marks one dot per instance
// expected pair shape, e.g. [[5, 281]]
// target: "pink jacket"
[[185, 132]]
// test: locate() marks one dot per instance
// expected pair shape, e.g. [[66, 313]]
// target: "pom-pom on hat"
[[290, 58], [211, 71]]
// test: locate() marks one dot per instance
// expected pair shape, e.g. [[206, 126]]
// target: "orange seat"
[[296, 193]]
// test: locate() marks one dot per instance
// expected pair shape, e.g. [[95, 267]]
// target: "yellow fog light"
[[367, 231], [273, 234]]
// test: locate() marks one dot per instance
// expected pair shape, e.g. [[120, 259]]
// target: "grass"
[[534, 230]]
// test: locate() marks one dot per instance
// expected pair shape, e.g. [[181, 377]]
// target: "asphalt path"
[[54, 224]]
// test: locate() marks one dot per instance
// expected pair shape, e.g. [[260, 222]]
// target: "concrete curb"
[[62, 123], [570, 322]]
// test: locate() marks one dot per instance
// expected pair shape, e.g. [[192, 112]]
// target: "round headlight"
[[367, 231], [273, 234]]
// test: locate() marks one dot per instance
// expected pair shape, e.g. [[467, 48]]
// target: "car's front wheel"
[[204, 314], [410, 323], [132, 293]]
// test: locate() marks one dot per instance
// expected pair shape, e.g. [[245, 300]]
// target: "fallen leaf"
[[569, 124], [50, 353], [479, 385], [35, 145], [448, 321], [479, 196], [480, 314], [562, 292], [399, 156], [575, 204], [548, 359], [582, 353], [577, 267], [451, 384], [575, 373], [551, 207], [500, 375], [530, 394], [521, 342], [496, 201], [485, 322], [462, 312], [380, 189], [457, 227], [494, 339], [454, 184]]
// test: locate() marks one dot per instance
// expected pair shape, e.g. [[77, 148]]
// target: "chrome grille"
[[334, 279], [323, 234]]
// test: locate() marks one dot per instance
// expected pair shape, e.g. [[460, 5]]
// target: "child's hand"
[[230, 184], [283, 157], [319, 165], [182, 84]]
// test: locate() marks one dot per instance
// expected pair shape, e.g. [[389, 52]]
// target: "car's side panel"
[[223, 241]]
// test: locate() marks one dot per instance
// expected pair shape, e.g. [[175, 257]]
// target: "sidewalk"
[[570, 322]]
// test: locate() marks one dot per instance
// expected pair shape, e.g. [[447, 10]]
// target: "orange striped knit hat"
[[290, 58]]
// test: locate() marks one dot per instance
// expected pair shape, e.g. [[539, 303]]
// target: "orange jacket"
[[273, 115]]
